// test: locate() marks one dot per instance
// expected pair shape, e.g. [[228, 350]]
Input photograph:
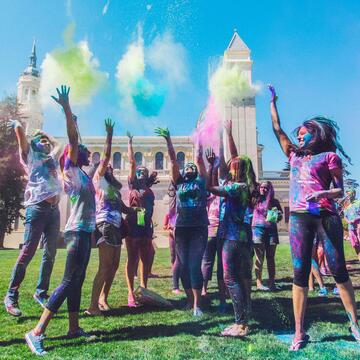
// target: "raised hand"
[[163, 132], [109, 125], [63, 96], [210, 156], [74, 117], [128, 134], [273, 93], [228, 126], [13, 124]]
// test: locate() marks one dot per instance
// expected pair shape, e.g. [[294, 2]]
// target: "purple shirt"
[[309, 174]]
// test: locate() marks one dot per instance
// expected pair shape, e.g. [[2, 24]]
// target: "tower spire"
[[31, 69]]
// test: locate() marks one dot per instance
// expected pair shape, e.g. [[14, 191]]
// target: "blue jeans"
[[41, 219], [78, 245]]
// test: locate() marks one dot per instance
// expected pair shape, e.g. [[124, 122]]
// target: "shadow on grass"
[[147, 332]]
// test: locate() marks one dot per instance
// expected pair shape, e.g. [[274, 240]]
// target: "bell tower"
[[243, 115], [28, 95]]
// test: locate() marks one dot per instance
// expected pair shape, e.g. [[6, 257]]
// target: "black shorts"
[[108, 233]]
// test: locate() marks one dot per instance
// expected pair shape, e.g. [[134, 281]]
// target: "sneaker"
[[323, 291], [336, 291], [40, 300], [197, 312], [176, 291], [262, 288], [79, 333], [12, 307], [35, 343]]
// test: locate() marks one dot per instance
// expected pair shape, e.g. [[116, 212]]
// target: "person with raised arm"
[[77, 234], [237, 246], [108, 235], [169, 225], [39, 157], [139, 240], [191, 228], [215, 208], [316, 179]]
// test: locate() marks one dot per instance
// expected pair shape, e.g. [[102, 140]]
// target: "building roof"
[[237, 44]]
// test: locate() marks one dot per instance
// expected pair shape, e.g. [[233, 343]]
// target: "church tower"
[[28, 95], [243, 115]]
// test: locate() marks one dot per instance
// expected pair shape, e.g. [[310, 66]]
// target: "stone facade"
[[151, 151]]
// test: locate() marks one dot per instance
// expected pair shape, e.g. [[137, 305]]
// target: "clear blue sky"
[[310, 50]]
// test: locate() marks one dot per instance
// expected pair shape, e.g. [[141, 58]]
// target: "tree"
[[12, 180]]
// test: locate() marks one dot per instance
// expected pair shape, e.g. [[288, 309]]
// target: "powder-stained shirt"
[[43, 181], [352, 214], [191, 203], [107, 201], [213, 208], [80, 189], [260, 213], [309, 174], [142, 197], [233, 227]]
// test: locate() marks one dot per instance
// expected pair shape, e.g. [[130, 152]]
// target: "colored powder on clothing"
[[141, 217], [74, 65]]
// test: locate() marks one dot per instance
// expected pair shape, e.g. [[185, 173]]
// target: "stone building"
[[151, 151]]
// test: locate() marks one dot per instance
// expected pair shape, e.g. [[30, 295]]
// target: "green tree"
[[12, 179]]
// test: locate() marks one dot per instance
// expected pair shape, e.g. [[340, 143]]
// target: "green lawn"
[[149, 333]]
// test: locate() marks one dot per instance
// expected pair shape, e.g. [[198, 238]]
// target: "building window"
[[16, 225], [180, 158], [138, 158], [159, 161], [95, 158], [34, 92], [117, 160]]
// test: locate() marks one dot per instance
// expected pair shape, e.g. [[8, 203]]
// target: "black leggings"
[[328, 229], [190, 244]]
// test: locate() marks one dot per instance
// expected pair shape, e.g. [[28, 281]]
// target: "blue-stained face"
[[304, 137]]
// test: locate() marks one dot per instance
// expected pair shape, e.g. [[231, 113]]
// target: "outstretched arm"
[[222, 165], [109, 127], [63, 100], [232, 146], [283, 139], [200, 160], [131, 157], [175, 172], [20, 136]]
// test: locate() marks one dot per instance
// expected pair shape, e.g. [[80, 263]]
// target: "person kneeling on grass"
[[77, 235]]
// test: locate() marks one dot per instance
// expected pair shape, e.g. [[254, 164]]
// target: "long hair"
[[325, 137], [82, 150], [110, 178], [241, 170], [269, 196]]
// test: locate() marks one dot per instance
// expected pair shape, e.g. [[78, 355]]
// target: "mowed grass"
[[150, 333]]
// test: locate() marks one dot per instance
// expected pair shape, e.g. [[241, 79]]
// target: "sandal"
[[89, 312], [262, 288], [104, 307], [299, 344], [132, 303], [236, 330]]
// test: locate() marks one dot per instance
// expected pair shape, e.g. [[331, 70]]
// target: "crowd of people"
[[217, 211]]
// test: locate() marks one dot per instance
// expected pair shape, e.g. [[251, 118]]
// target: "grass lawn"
[[149, 333]]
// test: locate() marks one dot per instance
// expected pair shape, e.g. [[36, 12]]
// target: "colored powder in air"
[[230, 85], [208, 129], [75, 66], [136, 90]]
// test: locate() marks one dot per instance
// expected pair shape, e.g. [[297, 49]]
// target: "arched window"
[[180, 158], [159, 161], [117, 160], [95, 158], [138, 158]]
